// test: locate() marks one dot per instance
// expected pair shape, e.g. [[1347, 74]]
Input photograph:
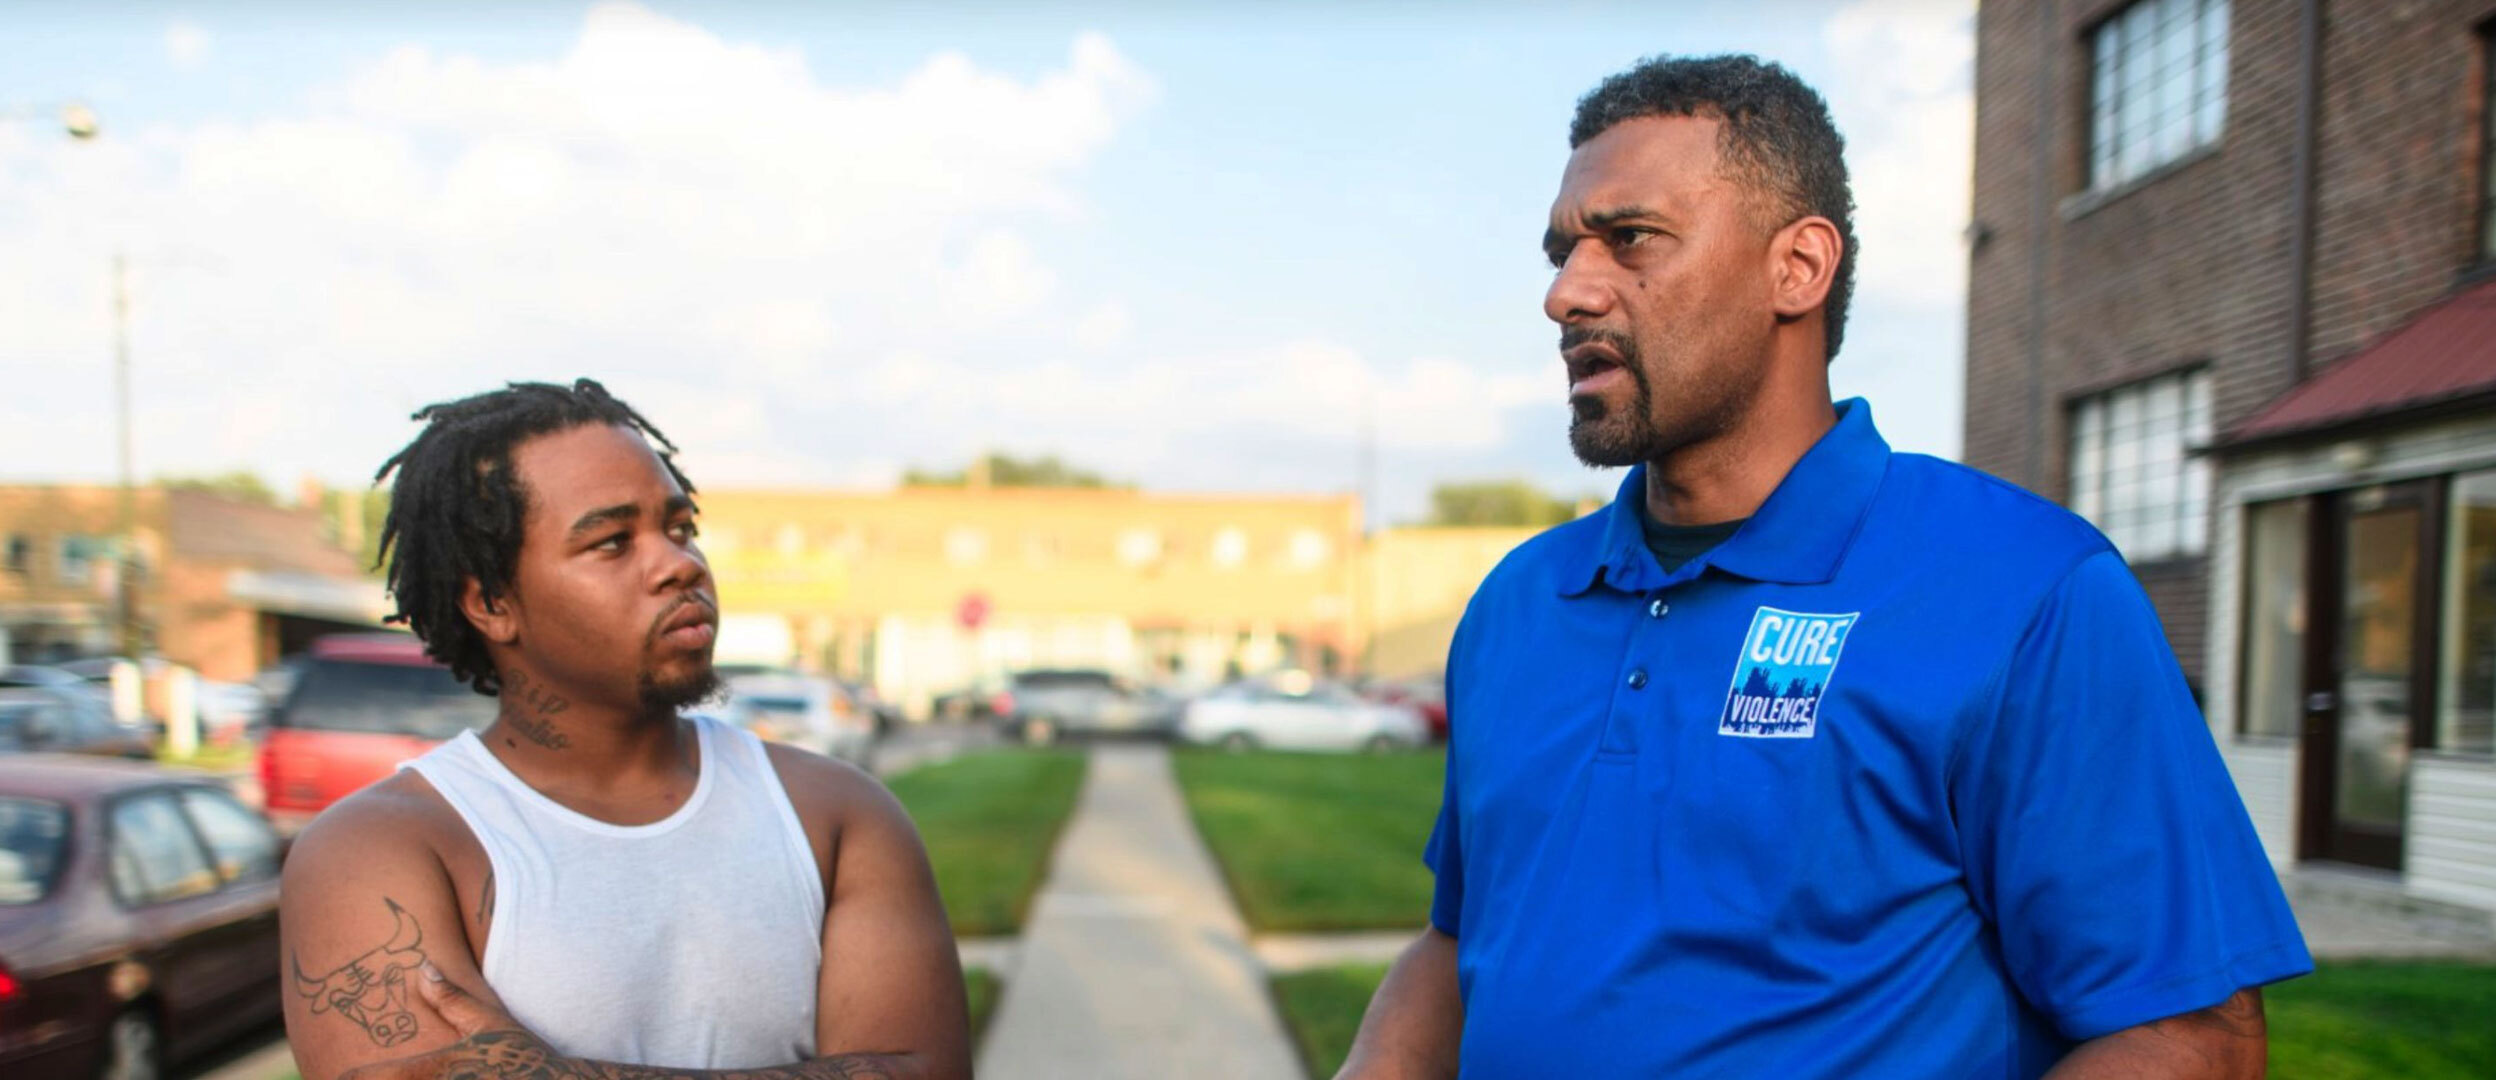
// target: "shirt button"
[[1657, 608], [1638, 679]]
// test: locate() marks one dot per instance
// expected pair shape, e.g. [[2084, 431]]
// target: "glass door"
[[2367, 703]]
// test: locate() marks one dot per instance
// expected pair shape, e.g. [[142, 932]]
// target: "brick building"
[[2233, 297]]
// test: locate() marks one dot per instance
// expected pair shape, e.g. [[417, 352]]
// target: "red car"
[[362, 704], [138, 918]]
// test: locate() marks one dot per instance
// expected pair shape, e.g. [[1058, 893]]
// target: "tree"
[[1007, 471], [241, 485], [1497, 502]]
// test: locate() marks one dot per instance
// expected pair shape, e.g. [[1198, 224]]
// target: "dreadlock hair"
[[1777, 140], [457, 508]]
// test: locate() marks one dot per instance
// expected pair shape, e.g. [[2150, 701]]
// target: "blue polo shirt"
[[1901, 780]]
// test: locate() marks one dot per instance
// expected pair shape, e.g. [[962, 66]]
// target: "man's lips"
[[1592, 366], [692, 626]]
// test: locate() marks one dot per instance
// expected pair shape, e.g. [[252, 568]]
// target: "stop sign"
[[972, 611]]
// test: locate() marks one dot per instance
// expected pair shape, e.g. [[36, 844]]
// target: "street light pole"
[[80, 123], [126, 600]]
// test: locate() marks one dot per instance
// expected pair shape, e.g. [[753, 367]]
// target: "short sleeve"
[[2102, 836], [1446, 856], [1445, 853]]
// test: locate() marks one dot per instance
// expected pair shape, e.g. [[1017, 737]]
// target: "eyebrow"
[[1596, 221], [623, 513]]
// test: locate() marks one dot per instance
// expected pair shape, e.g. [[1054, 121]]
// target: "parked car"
[[1426, 694], [887, 715], [1047, 705], [802, 710], [138, 918], [989, 697], [1297, 713], [362, 704], [37, 718]]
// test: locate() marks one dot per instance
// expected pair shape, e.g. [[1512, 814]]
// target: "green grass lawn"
[[979, 985], [2358, 1021], [1323, 1009], [990, 820], [1318, 841], [2417, 1021]]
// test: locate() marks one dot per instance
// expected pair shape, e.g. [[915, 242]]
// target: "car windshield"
[[405, 699], [31, 835]]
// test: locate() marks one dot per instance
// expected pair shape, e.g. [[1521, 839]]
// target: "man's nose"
[[1578, 291]]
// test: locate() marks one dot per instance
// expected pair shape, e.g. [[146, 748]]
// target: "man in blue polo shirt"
[[1804, 758]]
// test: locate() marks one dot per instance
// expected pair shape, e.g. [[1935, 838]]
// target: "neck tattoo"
[[531, 710]]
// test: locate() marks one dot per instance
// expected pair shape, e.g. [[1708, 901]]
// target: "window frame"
[[2191, 539], [111, 845], [2484, 246], [183, 796], [2107, 142]]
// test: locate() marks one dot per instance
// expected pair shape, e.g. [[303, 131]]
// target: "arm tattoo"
[[518, 1055], [485, 902], [371, 990], [532, 709]]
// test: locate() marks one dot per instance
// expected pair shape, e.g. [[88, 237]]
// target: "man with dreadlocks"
[[596, 887]]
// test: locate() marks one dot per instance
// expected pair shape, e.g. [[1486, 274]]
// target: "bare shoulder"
[[827, 789], [399, 817]]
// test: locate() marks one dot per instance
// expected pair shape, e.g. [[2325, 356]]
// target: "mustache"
[[671, 609], [1620, 342]]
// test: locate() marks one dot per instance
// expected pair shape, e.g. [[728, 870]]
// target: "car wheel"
[[1382, 744], [1239, 742], [131, 1048], [1039, 731]]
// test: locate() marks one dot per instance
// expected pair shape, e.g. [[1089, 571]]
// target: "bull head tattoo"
[[371, 989]]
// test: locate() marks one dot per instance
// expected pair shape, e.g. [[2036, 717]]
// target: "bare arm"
[[889, 1003], [365, 905], [2229, 1039], [1417, 1019], [892, 976]]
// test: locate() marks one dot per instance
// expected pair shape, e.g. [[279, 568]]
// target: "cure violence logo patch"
[[1787, 658]]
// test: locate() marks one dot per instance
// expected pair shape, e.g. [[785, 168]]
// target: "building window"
[[1139, 547], [2465, 720], [18, 557], [2132, 472], [79, 555], [965, 546], [2274, 647], [1309, 549], [2487, 143], [1230, 548], [2159, 86]]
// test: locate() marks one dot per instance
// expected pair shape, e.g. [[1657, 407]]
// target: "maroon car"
[[138, 917]]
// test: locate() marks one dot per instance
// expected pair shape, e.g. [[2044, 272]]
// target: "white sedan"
[[1296, 714]]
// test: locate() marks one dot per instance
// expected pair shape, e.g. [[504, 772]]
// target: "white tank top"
[[694, 942]]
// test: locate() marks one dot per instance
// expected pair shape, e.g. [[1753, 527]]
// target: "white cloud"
[[1905, 97], [656, 206], [187, 45]]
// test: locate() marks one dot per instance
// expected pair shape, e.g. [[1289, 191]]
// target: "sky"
[[1199, 247]]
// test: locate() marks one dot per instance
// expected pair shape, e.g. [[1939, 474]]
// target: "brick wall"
[[2076, 291]]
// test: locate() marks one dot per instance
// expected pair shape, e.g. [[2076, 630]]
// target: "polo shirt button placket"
[[1657, 607], [1638, 679]]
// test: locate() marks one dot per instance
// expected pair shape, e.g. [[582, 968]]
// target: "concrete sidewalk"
[[1135, 963]]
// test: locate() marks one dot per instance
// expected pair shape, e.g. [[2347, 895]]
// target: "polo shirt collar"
[[1797, 537]]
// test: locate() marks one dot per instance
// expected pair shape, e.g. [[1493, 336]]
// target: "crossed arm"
[[383, 982], [1416, 1020]]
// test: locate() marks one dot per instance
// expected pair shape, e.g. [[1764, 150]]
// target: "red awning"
[[2446, 354]]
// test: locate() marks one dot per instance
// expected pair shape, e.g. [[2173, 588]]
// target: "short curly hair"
[[457, 509], [1777, 140]]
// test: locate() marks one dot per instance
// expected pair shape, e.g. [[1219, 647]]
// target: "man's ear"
[[493, 618], [1804, 257]]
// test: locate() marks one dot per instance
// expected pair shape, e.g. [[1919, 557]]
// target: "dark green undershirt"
[[1674, 545]]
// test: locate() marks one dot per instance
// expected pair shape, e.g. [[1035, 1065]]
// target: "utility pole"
[[126, 600]]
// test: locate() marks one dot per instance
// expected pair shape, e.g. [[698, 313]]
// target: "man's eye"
[[1627, 236], [687, 531], [612, 543]]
